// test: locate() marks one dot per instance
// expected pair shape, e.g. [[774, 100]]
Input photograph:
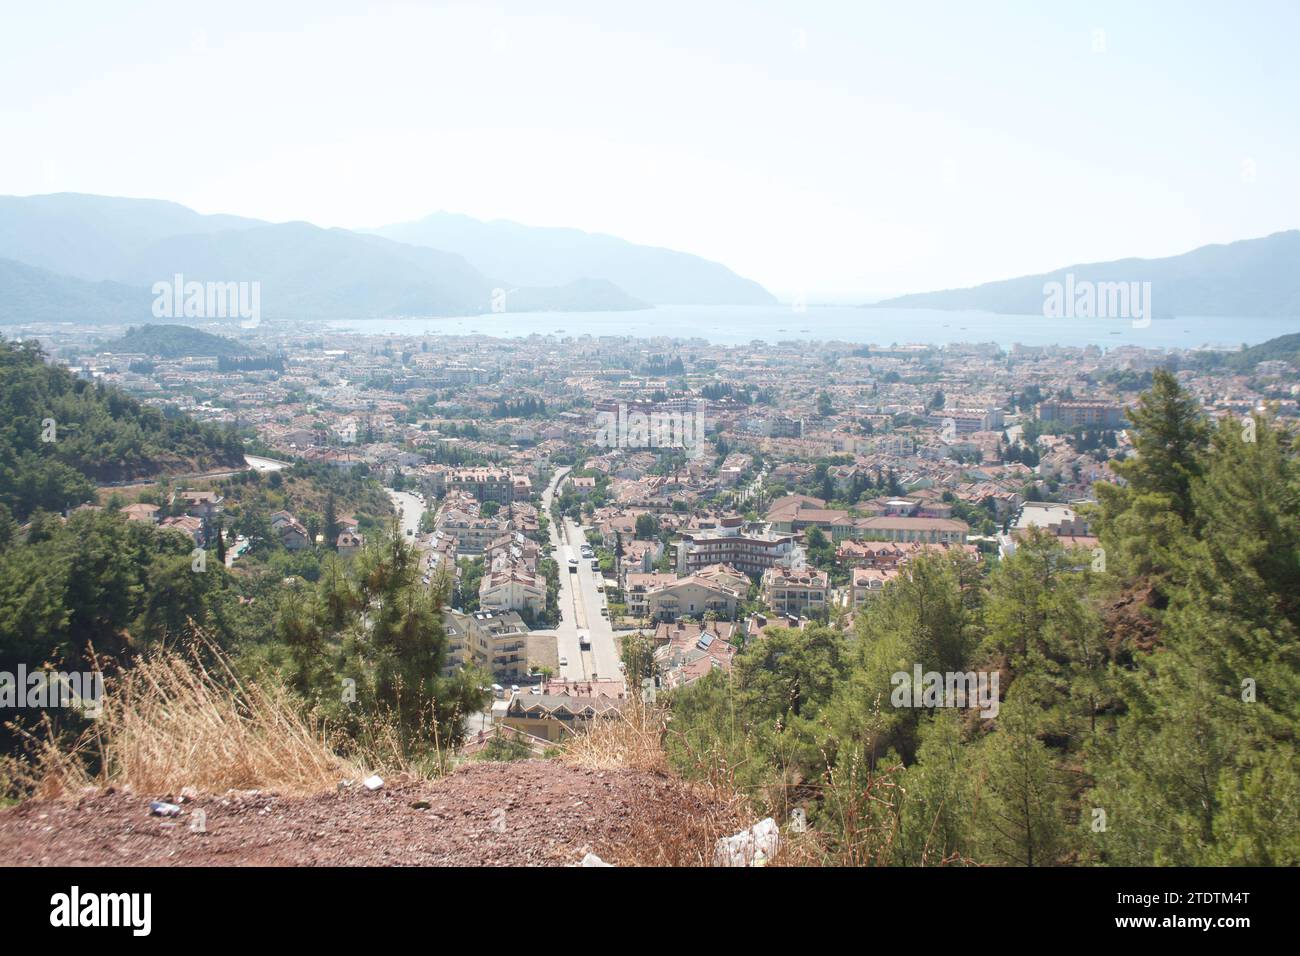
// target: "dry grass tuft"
[[173, 721], [681, 832], [633, 740]]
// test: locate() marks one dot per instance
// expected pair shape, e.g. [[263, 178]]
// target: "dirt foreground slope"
[[532, 812]]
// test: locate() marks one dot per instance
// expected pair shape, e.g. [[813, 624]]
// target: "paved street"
[[579, 601], [235, 549], [258, 463], [409, 508], [753, 492], [603, 659], [580, 605]]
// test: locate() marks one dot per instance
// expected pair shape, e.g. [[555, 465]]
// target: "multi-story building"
[[140, 511], [1059, 519], [293, 535], [867, 583], [467, 643], [641, 555], [189, 525], [638, 584], [797, 591], [969, 420], [886, 555], [483, 484], [1089, 414], [781, 426], [770, 426], [512, 588], [751, 549], [473, 534], [462, 375], [496, 641], [796, 517], [509, 635], [692, 596], [725, 575], [200, 504], [899, 528], [350, 542]]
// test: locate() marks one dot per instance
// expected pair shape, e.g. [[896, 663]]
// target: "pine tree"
[[373, 623], [1201, 768], [1171, 438], [924, 618], [1022, 801], [331, 523], [935, 815]]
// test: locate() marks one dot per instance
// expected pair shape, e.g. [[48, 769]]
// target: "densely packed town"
[[580, 491]]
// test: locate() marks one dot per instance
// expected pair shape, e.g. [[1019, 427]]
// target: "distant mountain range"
[[1253, 277], [32, 294], [95, 237], [533, 256], [83, 258]]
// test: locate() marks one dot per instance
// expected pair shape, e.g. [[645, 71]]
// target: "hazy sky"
[[839, 149]]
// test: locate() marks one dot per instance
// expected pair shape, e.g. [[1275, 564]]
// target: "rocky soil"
[[532, 812]]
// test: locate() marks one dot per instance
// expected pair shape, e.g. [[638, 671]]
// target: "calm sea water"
[[736, 325]]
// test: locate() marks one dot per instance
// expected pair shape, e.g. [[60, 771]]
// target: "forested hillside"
[[1284, 348], [94, 589], [1150, 692], [100, 581], [60, 436], [174, 341]]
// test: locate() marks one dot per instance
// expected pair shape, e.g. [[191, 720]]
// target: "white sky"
[[839, 150]]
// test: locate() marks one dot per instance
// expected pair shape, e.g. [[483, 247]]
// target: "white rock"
[[592, 860], [374, 782], [752, 847]]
